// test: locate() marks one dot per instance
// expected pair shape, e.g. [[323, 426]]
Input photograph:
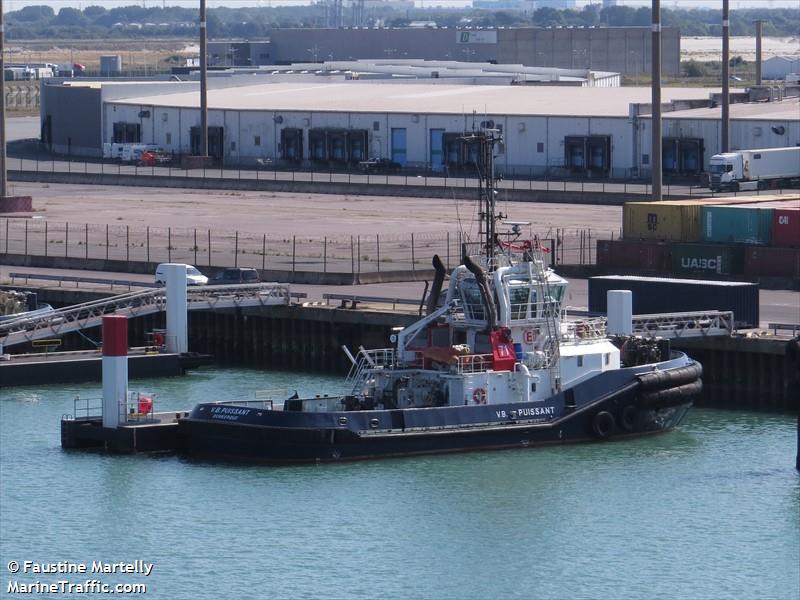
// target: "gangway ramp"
[[137, 304]]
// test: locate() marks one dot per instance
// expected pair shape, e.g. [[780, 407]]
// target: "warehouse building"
[[618, 49], [548, 130]]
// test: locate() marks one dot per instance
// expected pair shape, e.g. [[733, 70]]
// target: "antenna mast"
[[488, 219]]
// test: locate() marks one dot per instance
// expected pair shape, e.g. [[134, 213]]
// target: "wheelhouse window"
[[473, 303], [520, 299]]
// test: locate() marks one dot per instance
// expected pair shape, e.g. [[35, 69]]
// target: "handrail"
[[793, 327], [76, 279], [356, 299], [130, 284]]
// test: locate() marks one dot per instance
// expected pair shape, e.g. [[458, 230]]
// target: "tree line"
[[98, 22]]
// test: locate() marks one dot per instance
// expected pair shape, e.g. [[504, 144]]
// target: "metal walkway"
[[137, 304]]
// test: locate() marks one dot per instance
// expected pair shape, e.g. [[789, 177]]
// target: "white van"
[[193, 276]]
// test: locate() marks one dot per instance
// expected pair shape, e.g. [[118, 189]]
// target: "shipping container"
[[678, 221], [654, 295], [736, 224], [772, 262], [707, 259], [786, 226], [645, 255]]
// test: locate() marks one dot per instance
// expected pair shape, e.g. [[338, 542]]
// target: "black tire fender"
[[603, 424], [628, 417]]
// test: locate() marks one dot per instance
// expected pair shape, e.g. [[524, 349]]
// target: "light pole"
[[203, 82], [655, 132], [3, 180]]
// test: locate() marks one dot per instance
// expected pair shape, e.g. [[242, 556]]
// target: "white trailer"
[[754, 169]]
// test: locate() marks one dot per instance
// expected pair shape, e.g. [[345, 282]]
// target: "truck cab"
[[725, 171]]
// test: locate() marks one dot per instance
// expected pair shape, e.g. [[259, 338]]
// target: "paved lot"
[[314, 215]]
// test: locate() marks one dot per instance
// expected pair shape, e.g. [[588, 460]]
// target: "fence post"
[[378, 247], [209, 245], [358, 248], [294, 254], [26, 238], [7, 236], [352, 257], [236, 249], [263, 251], [127, 243], [147, 238], [195, 246], [45, 239], [325, 256], [448, 250], [66, 240], [413, 266], [169, 244], [589, 245], [86, 240], [106, 241]]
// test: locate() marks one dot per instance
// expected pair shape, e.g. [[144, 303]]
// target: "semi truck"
[[754, 169]]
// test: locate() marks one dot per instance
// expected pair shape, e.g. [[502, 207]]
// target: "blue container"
[[653, 295], [736, 224], [518, 351]]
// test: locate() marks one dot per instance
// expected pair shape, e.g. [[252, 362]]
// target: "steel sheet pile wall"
[[662, 295], [709, 237]]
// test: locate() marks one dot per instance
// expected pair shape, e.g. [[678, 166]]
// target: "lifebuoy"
[[479, 396], [603, 424], [628, 417]]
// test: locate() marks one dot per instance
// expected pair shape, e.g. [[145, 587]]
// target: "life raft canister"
[[479, 396], [145, 405]]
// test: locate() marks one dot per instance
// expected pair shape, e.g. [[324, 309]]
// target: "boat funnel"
[[438, 281]]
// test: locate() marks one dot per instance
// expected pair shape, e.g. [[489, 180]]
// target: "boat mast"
[[488, 219]]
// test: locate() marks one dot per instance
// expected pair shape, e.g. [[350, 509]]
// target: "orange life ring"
[[479, 396]]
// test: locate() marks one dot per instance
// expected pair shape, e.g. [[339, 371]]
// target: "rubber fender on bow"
[[603, 424], [672, 396], [671, 378]]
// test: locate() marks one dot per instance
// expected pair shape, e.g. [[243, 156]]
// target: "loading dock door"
[[399, 152], [682, 155], [437, 149], [357, 145], [216, 137], [291, 144]]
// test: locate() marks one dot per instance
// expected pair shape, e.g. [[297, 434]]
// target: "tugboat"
[[494, 364]]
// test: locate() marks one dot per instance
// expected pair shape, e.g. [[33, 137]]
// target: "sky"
[[9, 5]]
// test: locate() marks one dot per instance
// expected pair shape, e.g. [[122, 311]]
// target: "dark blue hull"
[[616, 404]]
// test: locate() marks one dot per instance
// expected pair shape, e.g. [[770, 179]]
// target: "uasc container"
[[679, 221], [654, 295], [707, 259], [736, 224]]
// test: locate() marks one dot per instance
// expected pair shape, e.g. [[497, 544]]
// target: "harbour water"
[[711, 510]]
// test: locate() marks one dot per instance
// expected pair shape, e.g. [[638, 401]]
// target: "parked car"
[[380, 165], [193, 276], [237, 275]]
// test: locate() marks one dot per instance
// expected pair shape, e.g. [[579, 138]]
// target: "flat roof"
[[355, 96], [785, 110]]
